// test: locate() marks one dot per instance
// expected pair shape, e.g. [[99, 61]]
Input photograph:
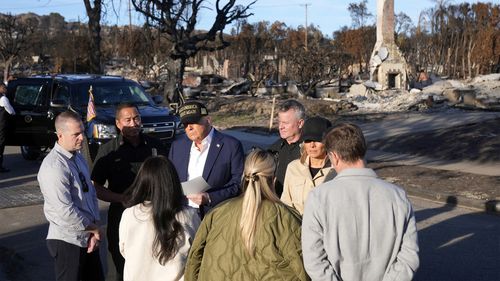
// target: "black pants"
[[73, 262], [2, 148], [114, 217], [2, 140]]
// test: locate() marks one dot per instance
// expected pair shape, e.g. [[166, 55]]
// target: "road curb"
[[490, 206]]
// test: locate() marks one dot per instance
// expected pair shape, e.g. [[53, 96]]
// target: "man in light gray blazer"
[[357, 226]]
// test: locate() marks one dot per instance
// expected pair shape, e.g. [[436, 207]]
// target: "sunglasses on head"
[[267, 151], [85, 186]]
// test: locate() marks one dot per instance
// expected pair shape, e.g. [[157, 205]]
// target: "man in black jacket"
[[118, 162], [291, 116], [5, 110]]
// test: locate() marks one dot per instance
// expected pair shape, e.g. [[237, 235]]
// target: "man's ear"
[[301, 123], [334, 158], [330, 156], [209, 120]]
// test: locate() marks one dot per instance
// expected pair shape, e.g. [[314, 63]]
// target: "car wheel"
[[30, 152]]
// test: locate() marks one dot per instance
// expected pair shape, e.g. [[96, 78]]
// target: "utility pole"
[[129, 32], [75, 56], [306, 5], [129, 15]]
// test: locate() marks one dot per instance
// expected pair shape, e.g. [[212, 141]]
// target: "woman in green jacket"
[[251, 237]]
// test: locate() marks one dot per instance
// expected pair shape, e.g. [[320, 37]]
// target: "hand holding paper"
[[196, 185], [194, 190], [199, 198]]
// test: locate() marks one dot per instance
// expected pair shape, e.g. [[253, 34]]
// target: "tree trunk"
[[469, 55], [94, 14], [464, 50], [173, 83], [455, 62], [180, 73], [246, 64], [6, 69]]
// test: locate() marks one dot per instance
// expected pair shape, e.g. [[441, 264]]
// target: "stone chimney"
[[387, 65]]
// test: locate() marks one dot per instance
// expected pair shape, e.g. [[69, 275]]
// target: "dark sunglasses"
[[272, 153], [85, 186], [259, 149]]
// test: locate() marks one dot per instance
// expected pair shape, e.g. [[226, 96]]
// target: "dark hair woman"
[[157, 228]]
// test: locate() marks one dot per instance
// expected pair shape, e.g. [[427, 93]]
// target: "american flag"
[[90, 107]]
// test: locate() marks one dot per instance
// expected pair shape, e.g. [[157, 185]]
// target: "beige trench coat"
[[298, 183]]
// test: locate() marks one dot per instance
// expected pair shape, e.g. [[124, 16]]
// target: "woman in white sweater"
[[157, 228]]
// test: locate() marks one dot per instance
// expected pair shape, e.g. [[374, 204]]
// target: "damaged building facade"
[[388, 67]]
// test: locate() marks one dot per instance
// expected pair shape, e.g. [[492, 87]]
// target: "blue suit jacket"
[[223, 168]]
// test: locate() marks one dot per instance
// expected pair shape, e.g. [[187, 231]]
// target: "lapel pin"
[[218, 145]]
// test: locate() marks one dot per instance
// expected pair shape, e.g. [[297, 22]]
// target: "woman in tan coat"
[[312, 169]]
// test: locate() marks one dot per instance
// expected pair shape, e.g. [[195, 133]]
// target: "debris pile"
[[482, 92]]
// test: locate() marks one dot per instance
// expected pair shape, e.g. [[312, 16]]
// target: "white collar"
[[206, 141]]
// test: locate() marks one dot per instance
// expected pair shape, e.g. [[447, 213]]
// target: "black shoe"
[[4, 170]]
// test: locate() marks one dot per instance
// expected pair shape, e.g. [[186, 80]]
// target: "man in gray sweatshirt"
[[357, 226]]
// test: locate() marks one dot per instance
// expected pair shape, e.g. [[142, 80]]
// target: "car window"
[[112, 94], [138, 95], [61, 93], [29, 95]]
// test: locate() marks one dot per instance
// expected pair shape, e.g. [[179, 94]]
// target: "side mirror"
[[158, 99], [59, 103]]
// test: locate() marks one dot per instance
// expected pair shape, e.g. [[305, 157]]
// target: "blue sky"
[[329, 15]]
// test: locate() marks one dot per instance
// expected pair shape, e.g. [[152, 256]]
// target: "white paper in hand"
[[196, 185]]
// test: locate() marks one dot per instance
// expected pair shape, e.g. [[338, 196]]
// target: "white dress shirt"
[[197, 160], [4, 102]]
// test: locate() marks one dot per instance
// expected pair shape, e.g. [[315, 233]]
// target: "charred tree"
[[94, 8], [177, 21], [14, 39]]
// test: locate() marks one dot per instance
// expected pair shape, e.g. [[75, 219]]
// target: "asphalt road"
[[456, 243]]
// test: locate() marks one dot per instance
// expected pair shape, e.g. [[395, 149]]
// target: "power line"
[[273, 5]]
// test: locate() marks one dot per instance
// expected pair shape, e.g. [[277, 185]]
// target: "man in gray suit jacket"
[[357, 226]]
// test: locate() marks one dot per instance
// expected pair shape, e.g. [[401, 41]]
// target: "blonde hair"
[[303, 153], [257, 186]]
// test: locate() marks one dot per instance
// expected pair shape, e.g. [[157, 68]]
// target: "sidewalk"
[[23, 250]]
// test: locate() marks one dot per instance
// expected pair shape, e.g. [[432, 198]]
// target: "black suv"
[[39, 99]]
